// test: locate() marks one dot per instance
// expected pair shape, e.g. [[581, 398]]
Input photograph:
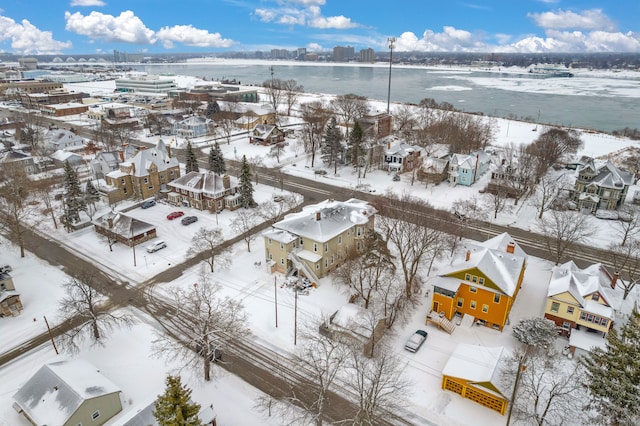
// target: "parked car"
[[154, 247], [415, 341], [174, 215], [148, 203], [188, 220], [5, 268]]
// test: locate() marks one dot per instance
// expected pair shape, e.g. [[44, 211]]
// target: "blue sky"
[[154, 26]]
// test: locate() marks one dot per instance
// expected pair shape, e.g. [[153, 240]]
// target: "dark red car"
[[174, 215]]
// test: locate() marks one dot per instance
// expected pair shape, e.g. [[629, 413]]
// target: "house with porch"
[[578, 300], [68, 393], [117, 226], [266, 134], [600, 185], [473, 372], [205, 191], [105, 162], [318, 239], [402, 157], [482, 283], [466, 169], [10, 303], [194, 127], [143, 176], [63, 139]]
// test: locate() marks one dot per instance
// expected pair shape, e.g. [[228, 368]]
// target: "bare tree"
[[550, 389], [320, 360], [316, 115], [350, 107], [470, 208], [562, 229], [206, 243], [274, 89], [43, 188], [548, 190], [464, 133], [411, 234], [405, 121], [202, 323], [378, 383], [497, 200], [84, 303], [225, 120], [104, 136], [552, 146], [274, 211], [157, 123], [292, 91], [29, 130], [626, 260], [628, 224], [16, 212], [243, 224]]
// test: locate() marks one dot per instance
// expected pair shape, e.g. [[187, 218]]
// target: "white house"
[[62, 139]]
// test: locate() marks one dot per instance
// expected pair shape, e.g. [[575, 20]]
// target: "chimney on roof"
[[614, 279], [467, 256], [121, 154], [226, 182], [142, 147], [318, 215], [511, 247]]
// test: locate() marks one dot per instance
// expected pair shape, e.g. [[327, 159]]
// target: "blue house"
[[466, 169]]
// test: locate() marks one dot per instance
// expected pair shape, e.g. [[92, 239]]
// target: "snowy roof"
[[447, 283], [308, 255], [322, 222], [141, 417], [352, 318], [581, 283], [473, 363], [279, 235], [501, 268], [402, 150], [6, 294], [123, 225], [62, 155], [501, 242], [262, 131], [205, 182], [159, 156], [57, 390], [608, 175], [586, 340]]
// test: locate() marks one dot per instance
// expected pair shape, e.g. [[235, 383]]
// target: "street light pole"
[[390, 40]]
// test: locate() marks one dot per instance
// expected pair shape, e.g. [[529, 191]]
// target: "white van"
[[154, 247]]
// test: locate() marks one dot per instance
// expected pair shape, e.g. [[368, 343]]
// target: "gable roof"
[[402, 150], [607, 174], [491, 258], [57, 390], [263, 131], [159, 156], [122, 224], [580, 283], [323, 221], [476, 364]]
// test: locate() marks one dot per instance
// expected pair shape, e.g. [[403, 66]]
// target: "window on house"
[[467, 277], [570, 309], [481, 281], [485, 308], [595, 297], [326, 247], [281, 246], [317, 266], [146, 180], [460, 302], [566, 325], [474, 279], [122, 181], [326, 263], [473, 304], [590, 318], [270, 256], [269, 241], [583, 316], [95, 415], [555, 306], [339, 239], [282, 260], [332, 259], [604, 322], [359, 231], [473, 289], [496, 298], [301, 242], [315, 247]]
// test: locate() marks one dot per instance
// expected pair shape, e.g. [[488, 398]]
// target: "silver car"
[[154, 247], [415, 341]]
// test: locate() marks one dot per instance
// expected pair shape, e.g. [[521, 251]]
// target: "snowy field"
[[126, 360]]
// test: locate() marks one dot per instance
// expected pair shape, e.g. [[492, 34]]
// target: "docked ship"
[[550, 72]]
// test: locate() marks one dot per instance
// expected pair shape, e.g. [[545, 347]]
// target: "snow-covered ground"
[[126, 360]]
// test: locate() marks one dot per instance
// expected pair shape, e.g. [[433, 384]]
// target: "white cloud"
[[87, 3], [336, 22], [304, 2], [28, 39], [190, 36], [315, 47], [265, 15], [593, 19], [126, 27]]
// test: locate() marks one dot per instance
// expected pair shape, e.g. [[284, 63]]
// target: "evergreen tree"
[[332, 144], [91, 197], [74, 200], [212, 108], [191, 162], [246, 187], [174, 407], [356, 148], [613, 375], [216, 160]]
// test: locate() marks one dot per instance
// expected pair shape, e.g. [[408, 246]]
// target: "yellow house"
[[318, 239], [484, 283], [473, 372], [577, 299]]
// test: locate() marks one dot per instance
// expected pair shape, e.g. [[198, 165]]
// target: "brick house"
[[266, 134], [205, 191], [10, 303]]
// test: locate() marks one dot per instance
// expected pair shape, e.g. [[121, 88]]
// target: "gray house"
[[68, 393]]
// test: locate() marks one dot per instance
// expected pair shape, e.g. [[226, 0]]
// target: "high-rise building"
[[300, 53], [367, 55], [343, 53]]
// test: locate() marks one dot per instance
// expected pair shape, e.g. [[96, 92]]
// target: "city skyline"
[[160, 26]]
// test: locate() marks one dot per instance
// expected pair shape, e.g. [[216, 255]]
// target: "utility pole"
[[391, 41], [275, 295], [50, 335], [295, 317]]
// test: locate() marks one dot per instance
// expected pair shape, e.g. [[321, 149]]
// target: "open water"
[[604, 104]]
